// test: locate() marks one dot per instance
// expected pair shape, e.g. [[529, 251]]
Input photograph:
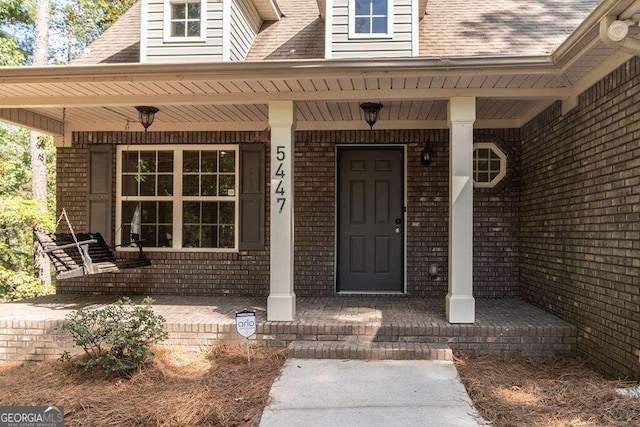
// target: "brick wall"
[[244, 273], [247, 273], [580, 218]]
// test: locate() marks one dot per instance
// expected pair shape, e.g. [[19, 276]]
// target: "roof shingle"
[[449, 28]]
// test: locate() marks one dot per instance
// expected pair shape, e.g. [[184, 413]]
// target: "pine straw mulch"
[[179, 389], [548, 392]]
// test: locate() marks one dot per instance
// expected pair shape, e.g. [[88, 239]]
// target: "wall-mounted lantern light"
[[371, 110], [426, 155], [146, 115]]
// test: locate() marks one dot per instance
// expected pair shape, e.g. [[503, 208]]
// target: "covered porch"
[[324, 327]]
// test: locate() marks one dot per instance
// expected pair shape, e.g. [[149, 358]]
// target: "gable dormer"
[[371, 28], [201, 30]]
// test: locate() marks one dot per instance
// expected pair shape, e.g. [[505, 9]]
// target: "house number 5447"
[[281, 197]]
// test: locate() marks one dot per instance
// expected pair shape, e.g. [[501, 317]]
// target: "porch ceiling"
[[234, 96]]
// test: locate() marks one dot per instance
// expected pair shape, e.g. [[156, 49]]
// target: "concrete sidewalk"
[[336, 393]]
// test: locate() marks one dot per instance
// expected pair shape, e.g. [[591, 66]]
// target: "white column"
[[281, 304], [460, 302]]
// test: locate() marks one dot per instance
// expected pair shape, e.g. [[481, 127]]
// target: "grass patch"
[[550, 392], [186, 389]]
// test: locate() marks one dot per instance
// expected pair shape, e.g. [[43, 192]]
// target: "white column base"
[[281, 308], [461, 309]]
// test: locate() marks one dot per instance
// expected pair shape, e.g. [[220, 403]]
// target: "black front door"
[[370, 220]]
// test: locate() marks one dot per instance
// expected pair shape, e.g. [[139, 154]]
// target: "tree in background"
[[19, 213], [12, 12], [82, 21], [42, 266]]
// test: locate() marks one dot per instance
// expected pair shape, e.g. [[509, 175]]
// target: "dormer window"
[[184, 20], [370, 18]]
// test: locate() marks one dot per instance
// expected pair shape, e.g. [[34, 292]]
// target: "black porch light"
[[425, 155], [371, 110], [146, 114]]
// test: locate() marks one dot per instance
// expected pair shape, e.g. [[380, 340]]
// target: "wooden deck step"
[[364, 350]]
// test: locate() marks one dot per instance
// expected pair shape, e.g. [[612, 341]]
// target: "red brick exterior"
[[580, 218]]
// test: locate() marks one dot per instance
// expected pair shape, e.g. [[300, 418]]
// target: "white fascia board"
[[400, 67], [589, 28], [226, 30], [80, 101], [144, 11], [328, 29], [268, 10], [322, 7]]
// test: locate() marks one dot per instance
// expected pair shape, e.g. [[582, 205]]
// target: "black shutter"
[[100, 191], [252, 197]]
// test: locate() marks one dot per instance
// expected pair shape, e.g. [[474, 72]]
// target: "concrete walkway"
[[336, 393]]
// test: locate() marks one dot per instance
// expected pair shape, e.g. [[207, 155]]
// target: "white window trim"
[[167, 23], [352, 23], [177, 197], [503, 164]]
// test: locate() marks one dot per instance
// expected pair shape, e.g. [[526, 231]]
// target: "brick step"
[[368, 350]]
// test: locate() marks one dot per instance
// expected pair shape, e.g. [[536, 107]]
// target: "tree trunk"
[[38, 160]]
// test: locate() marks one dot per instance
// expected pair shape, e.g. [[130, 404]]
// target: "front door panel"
[[370, 220]]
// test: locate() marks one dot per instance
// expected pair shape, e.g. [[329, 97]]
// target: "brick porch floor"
[[337, 327]]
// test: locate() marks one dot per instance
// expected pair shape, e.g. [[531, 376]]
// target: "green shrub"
[[15, 285], [116, 337]]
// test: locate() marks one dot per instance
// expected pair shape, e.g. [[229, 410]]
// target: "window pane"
[[149, 214], [130, 161], [209, 161], [165, 236], [493, 155], [191, 236], [178, 11], [147, 185], [379, 25], [191, 185], [149, 235], [227, 213], [210, 213], [483, 153], [165, 212], [483, 177], [191, 212], [379, 7], [128, 209], [165, 185], [226, 236], [177, 29], [495, 165], [165, 161], [362, 26], [193, 29], [227, 185], [148, 161], [482, 165], [193, 10], [191, 161], [227, 161], [492, 175], [362, 7], [209, 185], [129, 185], [209, 236]]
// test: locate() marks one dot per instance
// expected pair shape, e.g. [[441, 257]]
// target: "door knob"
[[397, 230]]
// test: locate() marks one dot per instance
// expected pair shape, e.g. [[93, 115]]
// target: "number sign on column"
[[281, 196]]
